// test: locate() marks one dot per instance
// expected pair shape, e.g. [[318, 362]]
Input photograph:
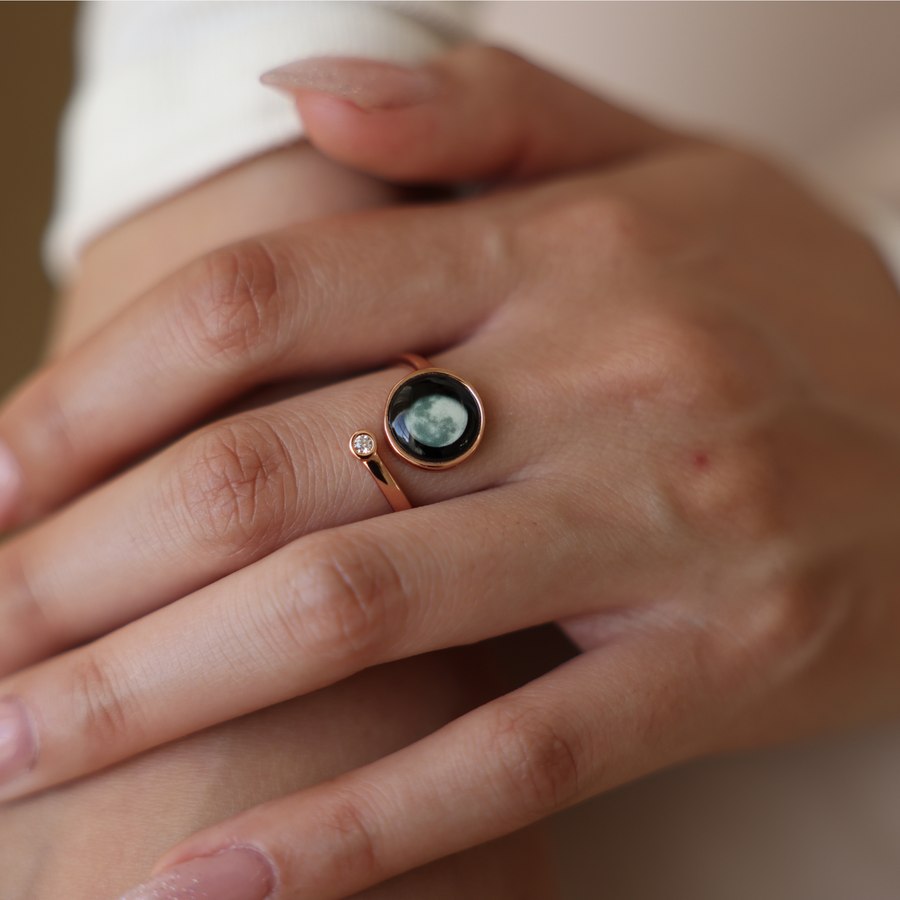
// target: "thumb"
[[476, 113]]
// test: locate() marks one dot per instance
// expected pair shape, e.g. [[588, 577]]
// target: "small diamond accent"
[[364, 445]]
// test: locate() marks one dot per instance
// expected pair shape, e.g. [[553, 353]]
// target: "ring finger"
[[218, 500]]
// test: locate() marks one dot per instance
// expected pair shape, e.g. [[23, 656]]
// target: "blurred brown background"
[[35, 68]]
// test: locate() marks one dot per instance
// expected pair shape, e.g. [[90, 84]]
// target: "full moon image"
[[436, 420]]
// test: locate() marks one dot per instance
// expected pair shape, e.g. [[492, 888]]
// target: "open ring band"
[[433, 419], [364, 447]]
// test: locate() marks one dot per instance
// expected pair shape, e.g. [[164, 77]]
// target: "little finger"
[[599, 720]]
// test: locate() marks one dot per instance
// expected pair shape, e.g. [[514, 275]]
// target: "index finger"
[[342, 296]]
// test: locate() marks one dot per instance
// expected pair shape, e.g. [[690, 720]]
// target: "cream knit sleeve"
[[168, 93]]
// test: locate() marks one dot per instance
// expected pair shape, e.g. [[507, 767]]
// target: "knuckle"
[[237, 488], [793, 621], [695, 363], [586, 226], [343, 599], [100, 702], [55, 431], [540, 757], [28, 616], [232, 315], [708, 395], [351, 840], [802, 612]]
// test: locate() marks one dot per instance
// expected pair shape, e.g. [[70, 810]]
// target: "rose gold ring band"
[[433, 419], [365, 448]]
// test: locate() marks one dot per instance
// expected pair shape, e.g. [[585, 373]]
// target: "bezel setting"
[[362, 444], [423, 383]]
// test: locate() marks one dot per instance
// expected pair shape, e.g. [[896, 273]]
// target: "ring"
[[364, 447], [433, 419]]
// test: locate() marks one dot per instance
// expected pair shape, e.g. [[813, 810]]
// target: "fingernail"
[[367, 84], [18, 741], [230, 875], [10, 482]]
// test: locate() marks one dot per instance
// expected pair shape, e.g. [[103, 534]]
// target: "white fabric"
[[168, 93]]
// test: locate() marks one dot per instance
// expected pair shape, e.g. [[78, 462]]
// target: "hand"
[[128, 814], [692, 461]]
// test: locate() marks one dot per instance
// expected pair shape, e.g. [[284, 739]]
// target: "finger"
[[306, 302], [597, 721], [477, 113], [220, 499], [308, 615]]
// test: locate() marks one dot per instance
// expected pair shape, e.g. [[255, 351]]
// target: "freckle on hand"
[[701, 461]]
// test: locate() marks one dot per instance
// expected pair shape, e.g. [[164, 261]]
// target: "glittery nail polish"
[[235, 874]]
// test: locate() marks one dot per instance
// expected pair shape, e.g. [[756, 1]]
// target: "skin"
[[99, 835], [716, 530]]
